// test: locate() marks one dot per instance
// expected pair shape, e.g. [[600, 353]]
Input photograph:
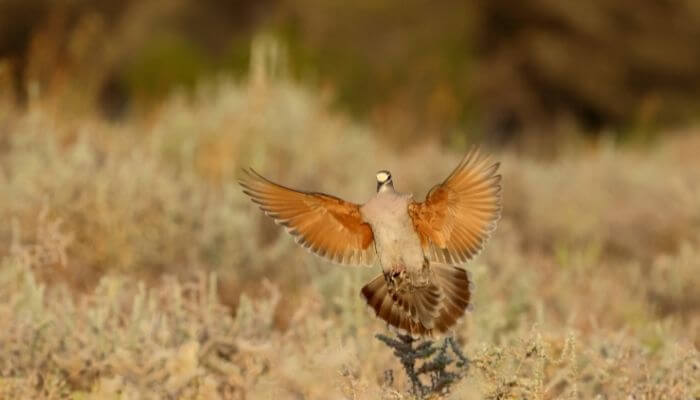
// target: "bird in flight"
[[420, 246]]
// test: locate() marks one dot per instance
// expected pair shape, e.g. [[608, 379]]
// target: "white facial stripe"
[[382, 176]]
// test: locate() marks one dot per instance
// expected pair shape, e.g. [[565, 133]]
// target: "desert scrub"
[[175, 339], [132, 193], [123, 340], [133, 264]]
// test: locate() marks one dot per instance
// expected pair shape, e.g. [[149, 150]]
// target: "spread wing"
[[326, 225], [458, 215]]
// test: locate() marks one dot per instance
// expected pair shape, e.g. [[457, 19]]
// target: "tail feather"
[[425, 311], [409, 312], [457, 289], [377, 296]]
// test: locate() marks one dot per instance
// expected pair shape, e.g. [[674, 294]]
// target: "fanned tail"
[[425, 311]]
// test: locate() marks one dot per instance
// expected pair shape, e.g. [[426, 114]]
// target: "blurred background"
[[491, 70], [131, 264]]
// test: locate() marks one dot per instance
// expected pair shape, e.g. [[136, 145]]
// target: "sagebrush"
[[133, 267]]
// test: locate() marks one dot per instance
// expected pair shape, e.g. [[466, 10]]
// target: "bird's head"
[[384, 181]]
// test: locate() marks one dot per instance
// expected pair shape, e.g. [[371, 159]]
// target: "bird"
[[423, 290]]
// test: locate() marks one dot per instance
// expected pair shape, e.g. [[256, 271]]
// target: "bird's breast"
[[396, 240]]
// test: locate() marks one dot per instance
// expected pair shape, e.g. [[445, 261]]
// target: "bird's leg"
[[396, 276]]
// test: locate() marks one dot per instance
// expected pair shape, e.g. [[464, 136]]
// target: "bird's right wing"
[[326, 225]]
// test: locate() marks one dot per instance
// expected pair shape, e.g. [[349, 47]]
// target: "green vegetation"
[[511, 73], [165, 61]]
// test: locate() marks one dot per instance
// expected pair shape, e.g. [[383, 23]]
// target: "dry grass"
[[133, 267]]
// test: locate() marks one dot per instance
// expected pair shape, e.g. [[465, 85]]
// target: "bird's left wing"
[[458, 215], [326, 225]]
